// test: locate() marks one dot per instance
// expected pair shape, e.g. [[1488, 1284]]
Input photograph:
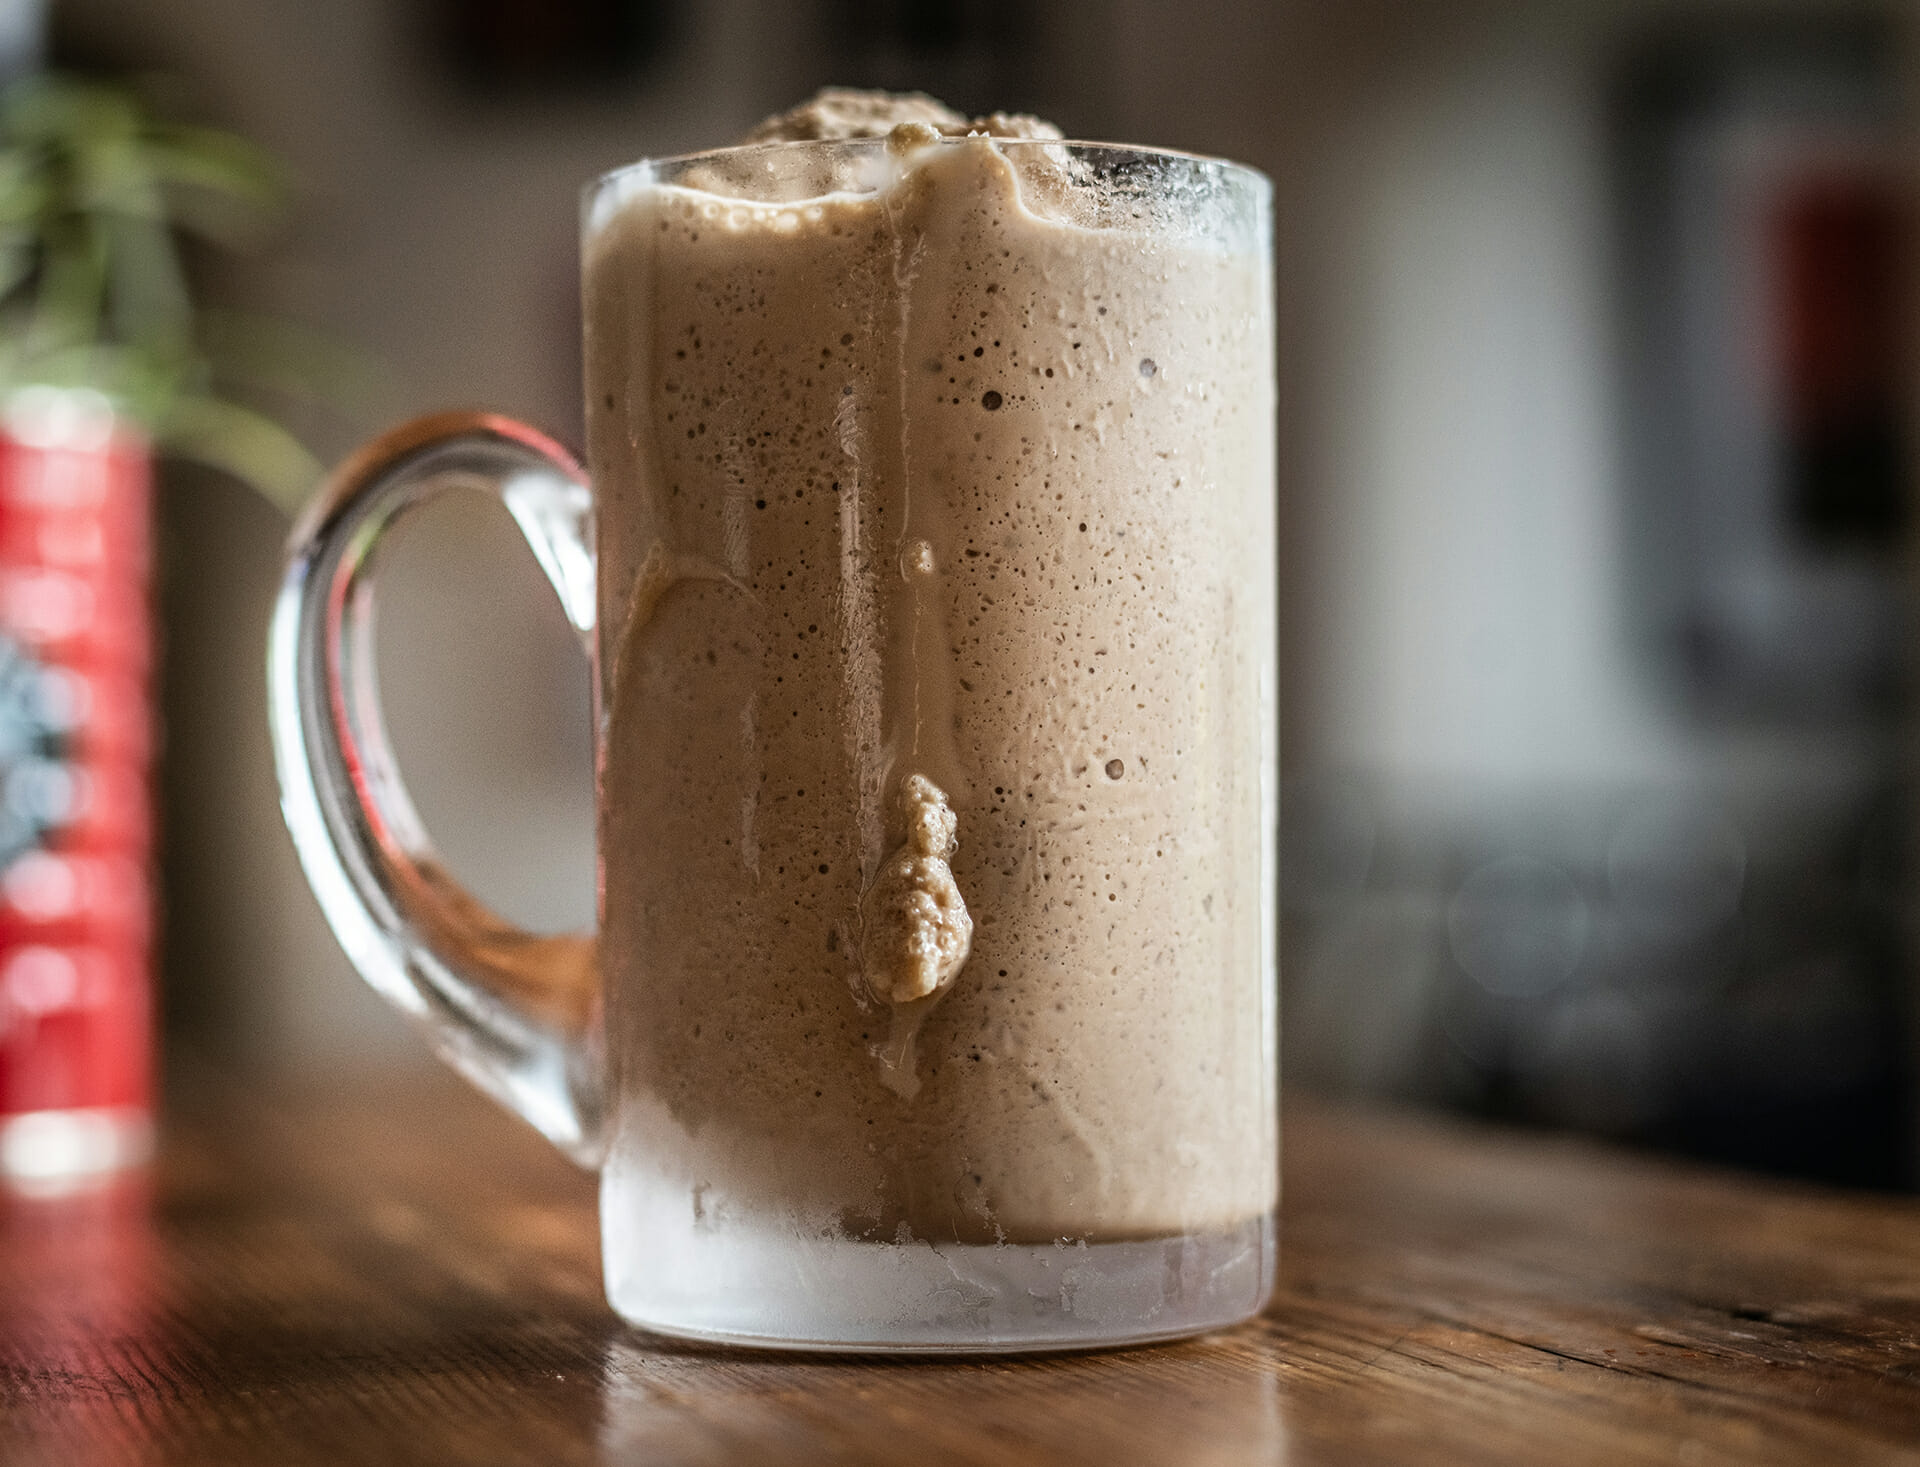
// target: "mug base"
[[775, 1290]]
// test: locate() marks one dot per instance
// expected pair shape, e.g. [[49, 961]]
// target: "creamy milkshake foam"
[[936, 694]]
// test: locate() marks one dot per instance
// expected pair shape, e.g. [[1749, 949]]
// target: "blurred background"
[[1595, 351]]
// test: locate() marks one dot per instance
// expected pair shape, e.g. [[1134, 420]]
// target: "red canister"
[[75, 900]]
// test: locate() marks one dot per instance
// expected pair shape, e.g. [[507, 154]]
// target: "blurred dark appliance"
[[1710, 955], [1762, 195], [1762, 203]]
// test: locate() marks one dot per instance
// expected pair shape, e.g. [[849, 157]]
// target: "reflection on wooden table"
[[412, 1277]]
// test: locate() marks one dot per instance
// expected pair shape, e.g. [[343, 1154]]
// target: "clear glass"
[[931, 584]]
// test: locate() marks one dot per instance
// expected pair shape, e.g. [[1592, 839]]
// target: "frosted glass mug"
[[925, 558]]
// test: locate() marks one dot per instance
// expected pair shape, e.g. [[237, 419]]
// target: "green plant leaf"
[[220, 162], [70, 299], [248, 445], [17, 259], [265, 354], [217, 186], [147, 290], [94, 194]]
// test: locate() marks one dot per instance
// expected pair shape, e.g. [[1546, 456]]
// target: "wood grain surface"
[[411, 1277]]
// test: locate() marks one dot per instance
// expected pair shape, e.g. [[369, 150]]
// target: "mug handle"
[[517, 1013]]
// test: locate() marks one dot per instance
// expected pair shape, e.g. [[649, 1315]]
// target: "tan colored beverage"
[[934, 484], [934, 525]]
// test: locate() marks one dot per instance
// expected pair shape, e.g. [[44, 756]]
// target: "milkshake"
[[935, 488]]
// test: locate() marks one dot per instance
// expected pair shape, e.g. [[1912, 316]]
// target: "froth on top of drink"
[[843, 114], [740, 186]]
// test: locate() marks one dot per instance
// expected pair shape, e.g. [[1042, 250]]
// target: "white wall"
[[1466, 559]]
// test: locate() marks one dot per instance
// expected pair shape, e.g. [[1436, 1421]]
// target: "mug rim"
[[873, 144]]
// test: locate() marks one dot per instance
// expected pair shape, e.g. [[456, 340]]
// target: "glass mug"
[[927, 566]]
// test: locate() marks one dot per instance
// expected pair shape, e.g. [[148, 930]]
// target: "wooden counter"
[[411, 1277]]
